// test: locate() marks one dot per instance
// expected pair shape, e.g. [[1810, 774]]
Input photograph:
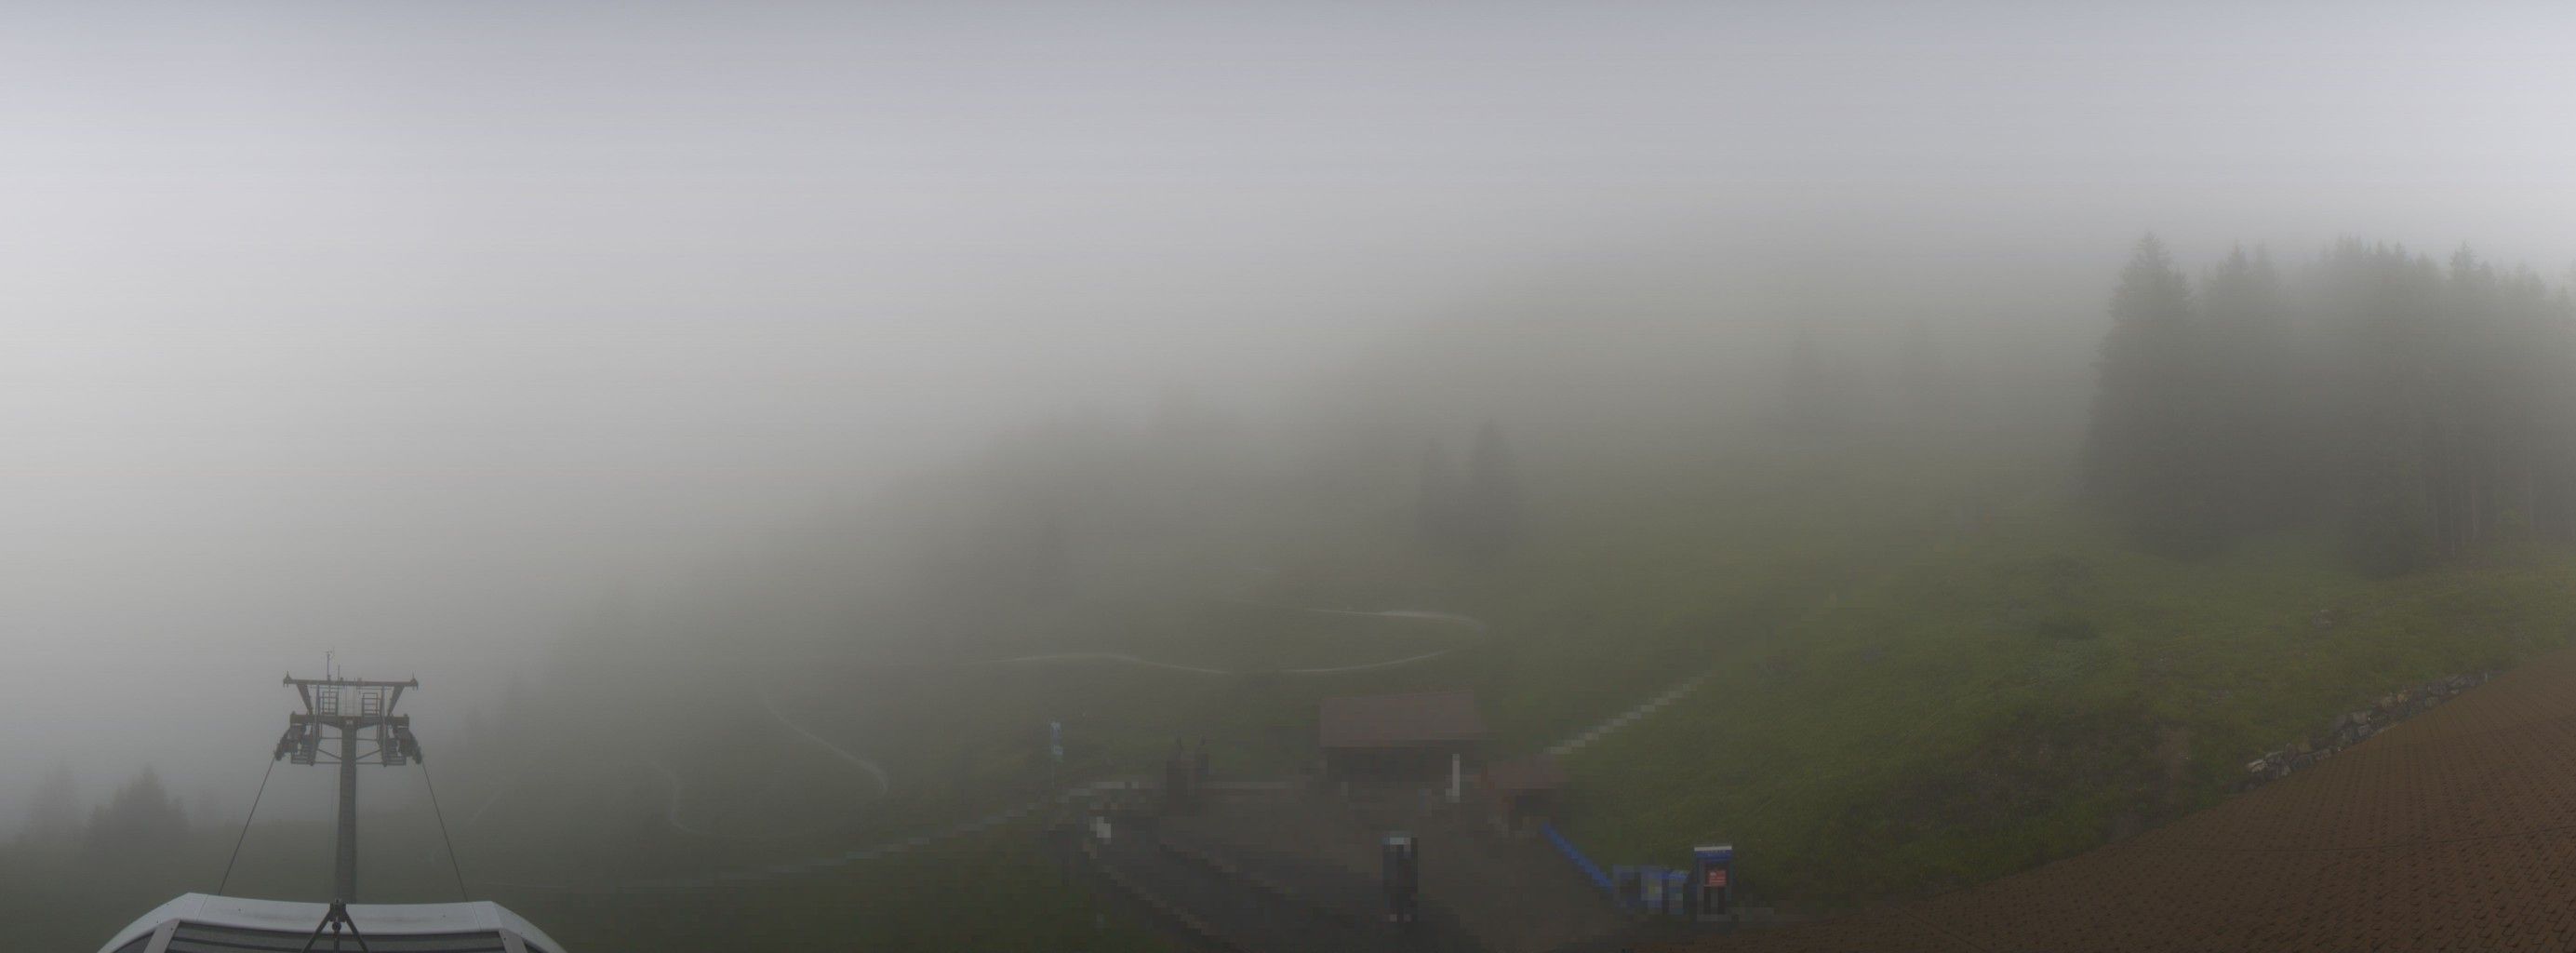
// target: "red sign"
[[1717, 876]]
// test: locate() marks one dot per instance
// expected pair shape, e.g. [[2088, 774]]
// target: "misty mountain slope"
[[1604, 602], [782, 438], [1928, 663], [1928, 667], [1195, 541], [2031, 692]]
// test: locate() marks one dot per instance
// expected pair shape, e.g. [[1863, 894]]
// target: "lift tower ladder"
[[348, 708]]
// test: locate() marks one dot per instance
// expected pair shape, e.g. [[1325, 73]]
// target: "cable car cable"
[[245, 831], [453, 862]]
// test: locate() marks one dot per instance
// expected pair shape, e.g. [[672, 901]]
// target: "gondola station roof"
[[205, 923]]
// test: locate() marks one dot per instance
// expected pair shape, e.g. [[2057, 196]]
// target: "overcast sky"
[[409, 330]]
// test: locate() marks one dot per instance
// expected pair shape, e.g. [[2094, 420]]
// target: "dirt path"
[[2453, 830]]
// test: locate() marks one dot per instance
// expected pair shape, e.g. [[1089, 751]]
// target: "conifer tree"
[[53, 812], [2147, 457], [1492, 499], [1435, 501], [142, 816]]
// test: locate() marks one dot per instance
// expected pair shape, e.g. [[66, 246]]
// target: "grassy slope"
[[1998, 697], [1929, 669]]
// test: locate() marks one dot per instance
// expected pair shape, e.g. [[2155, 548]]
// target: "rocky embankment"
[[2353, 727]]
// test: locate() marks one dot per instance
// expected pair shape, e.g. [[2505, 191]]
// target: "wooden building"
[[1419, 737]]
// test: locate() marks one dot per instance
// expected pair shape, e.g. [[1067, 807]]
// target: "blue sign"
[[1713, 880]]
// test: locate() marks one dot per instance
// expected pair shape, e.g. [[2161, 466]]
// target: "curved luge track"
[[671, 813], [884, 782], [1413, 615], [2453, 830]]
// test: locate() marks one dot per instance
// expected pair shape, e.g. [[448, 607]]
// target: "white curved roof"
[[372, 919]]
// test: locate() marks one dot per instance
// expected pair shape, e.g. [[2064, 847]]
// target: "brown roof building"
[[1409, 737]]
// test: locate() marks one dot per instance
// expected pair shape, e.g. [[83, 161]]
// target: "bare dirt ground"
[[2453, 830]]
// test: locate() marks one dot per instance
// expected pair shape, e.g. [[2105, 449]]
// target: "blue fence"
[[1591, 871]]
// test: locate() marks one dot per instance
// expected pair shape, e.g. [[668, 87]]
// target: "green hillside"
[[1925, 663], [1988, 703], [1927, 668]]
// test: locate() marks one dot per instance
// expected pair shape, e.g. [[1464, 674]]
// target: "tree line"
[[2420, 409], [141, 818]]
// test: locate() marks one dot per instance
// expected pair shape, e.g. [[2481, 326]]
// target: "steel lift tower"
[[351, 709], [341, 717]]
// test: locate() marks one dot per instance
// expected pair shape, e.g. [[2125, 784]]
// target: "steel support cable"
[[245, 831], [470, 819], [453, 862]]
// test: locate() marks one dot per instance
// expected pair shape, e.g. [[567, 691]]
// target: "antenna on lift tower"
[[348, 708]]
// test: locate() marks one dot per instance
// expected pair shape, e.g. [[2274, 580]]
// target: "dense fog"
[[452, 340]]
